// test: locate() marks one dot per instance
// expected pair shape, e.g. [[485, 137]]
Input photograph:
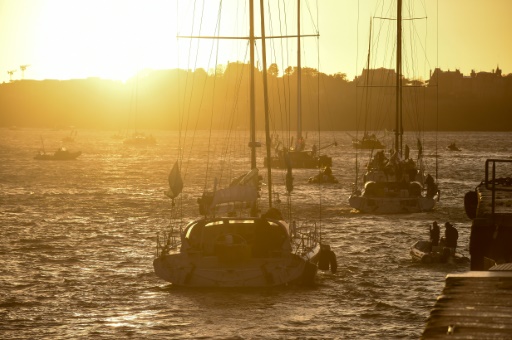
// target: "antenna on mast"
[[23, 68]]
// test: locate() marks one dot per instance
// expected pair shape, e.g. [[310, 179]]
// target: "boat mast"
[[299, 82], [367, 77], [398, 126], [252, 41], [268, 142]]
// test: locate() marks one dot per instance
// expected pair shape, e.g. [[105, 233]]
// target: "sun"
[[109, 39]]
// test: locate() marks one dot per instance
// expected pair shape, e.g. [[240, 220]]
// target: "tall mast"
[[368, 75], [252, 90], [299, 81], [398, 126], [268, 142]]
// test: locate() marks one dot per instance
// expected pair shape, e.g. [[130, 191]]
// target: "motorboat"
[[424, 252], [453, 147], [61, 154]]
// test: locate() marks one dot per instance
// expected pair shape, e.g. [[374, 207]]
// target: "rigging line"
[[318, 108], [180, 113], [274, 77], [231, 122], [185, 107], [403, 19], [219, 11], [437, 85], [238, 80], [286, 84], [316, 24], [356, 101], [188, 108]]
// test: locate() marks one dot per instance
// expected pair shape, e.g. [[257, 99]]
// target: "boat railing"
[[491, 182], [169, 240], [306, 236]]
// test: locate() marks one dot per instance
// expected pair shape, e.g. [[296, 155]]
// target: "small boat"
[[424, 252], [140, 139], [368, 142], [61, 154], [453, 147], [323, 177], [298, 153], [71, 137]]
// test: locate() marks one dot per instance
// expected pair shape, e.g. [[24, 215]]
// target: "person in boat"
[[434, 234], [431, 186], [379, 161], [325, 175], [451, 235], [313, 150], [327, 171]]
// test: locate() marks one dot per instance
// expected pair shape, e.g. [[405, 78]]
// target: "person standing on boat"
[[313, 150], [434, 234], [431, 186], [451, 235]]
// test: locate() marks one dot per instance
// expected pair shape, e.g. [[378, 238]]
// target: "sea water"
[[79, 237]]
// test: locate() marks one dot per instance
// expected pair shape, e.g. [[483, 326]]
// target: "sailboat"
[[61, 154], [298, 153], [241, 248], [369, 140], [395, 184]]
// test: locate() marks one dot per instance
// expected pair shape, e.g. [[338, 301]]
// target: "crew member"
[[434, 234], [451, 235]]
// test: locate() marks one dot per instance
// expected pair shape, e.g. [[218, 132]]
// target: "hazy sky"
[[62, 39]]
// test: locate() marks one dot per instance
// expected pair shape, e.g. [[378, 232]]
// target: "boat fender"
[[327, 259], [333, 262], [323, 257], [471, 203]]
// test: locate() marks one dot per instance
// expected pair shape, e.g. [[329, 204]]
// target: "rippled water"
[[78, 240]]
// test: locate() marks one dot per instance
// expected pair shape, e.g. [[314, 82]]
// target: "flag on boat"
[[175, 182]]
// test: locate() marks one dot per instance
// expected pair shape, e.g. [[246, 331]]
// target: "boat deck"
[[473, 305]]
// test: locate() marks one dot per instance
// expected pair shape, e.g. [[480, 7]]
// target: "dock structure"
[[478, 304]]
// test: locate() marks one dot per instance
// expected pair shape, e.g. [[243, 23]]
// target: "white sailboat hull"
[[391, 205]]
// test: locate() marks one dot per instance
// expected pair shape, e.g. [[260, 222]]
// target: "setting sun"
[[109, 39]]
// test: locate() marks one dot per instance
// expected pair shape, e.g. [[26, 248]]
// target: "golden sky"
[[63, 39]]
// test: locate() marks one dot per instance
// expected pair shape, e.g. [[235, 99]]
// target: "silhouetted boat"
[[298, 154], [453, 147], [61, 154], [324, 176], [140, 139], [71, 137], [246, 250], [395, 183], [369, 142], [477, 304], [424, 252]]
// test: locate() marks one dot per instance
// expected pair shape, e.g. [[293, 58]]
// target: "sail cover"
[[175, 182], [242, 189], [237, 193]]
